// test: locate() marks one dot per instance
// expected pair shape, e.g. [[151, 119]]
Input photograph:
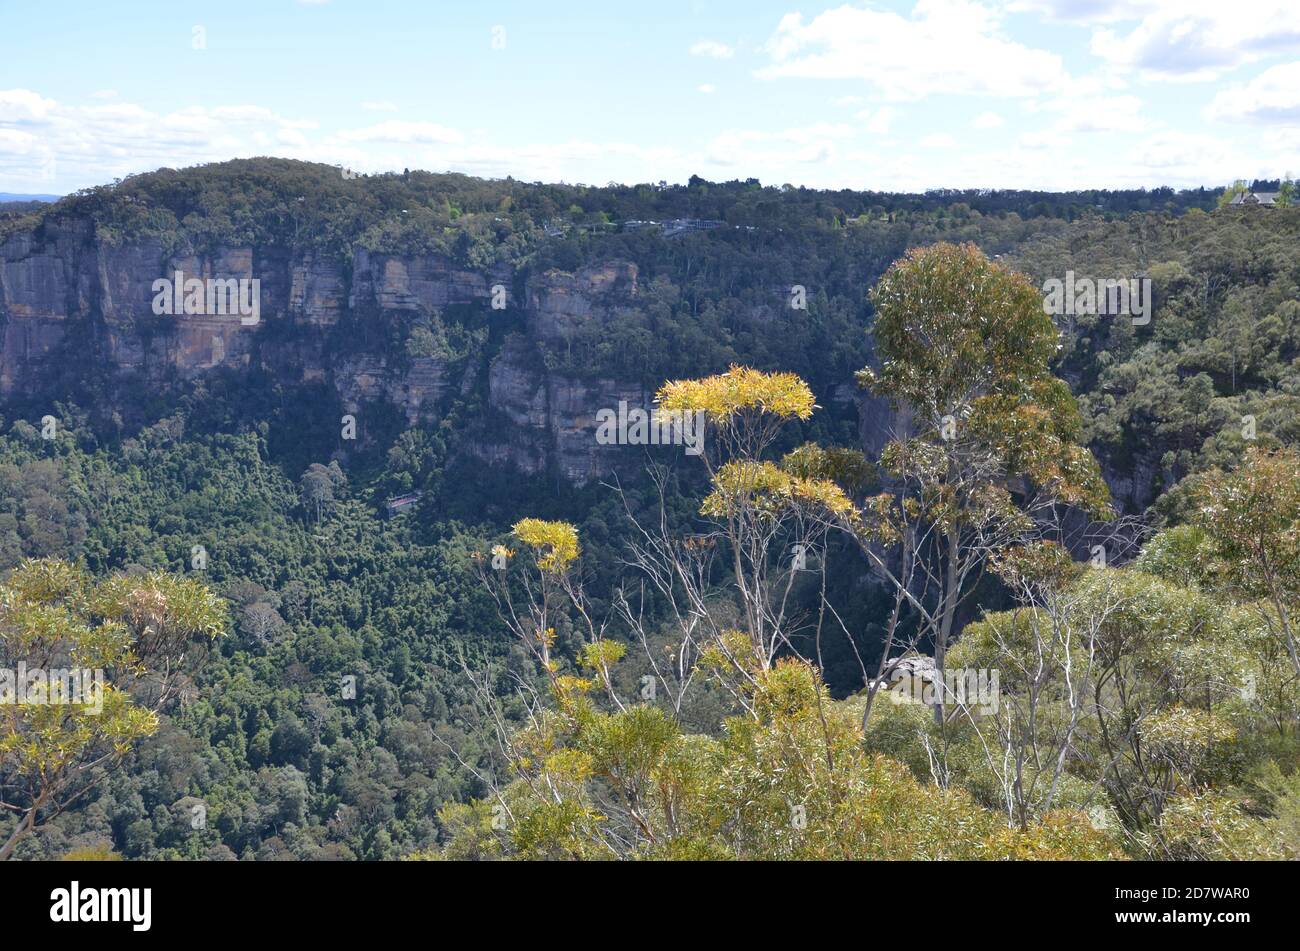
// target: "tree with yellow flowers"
[[763, 515], [591, 776]]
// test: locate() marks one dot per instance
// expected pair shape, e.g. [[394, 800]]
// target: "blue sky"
[[907, 94]]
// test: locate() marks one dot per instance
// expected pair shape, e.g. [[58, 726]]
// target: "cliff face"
[[69, 301]]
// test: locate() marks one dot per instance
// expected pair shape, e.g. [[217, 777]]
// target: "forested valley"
[[455, 627]]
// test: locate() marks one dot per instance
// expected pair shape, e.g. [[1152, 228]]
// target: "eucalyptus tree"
[[987, 455], [87, 667]]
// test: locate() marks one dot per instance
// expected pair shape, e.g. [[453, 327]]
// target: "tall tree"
[[987, 451], [1253, 514]]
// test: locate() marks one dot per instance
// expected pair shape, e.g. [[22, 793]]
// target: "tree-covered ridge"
[[259, 201]]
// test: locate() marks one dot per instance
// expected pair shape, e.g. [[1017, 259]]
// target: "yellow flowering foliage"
[[824, 495], [567, 686], [769, 490], [570, 764], [739, 482], [777, 796], [471, 834], [160, 601], [41, 740], [601, 654], [791, 780], [535, 743], [847, 468], [1060, 834], [100, 852], [555, 543], [54, 616], [738, 390], [717, 655]]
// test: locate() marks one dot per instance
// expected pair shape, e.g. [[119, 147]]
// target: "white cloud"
[[571, 161], [945, 46], [379, 105], [1271, 97], [23, 105], [1096, 114], [1182, 155], [1060, 163], [61, 146], [1083, 11], [750, 148], [48, 146], [1199, 40], [707, 88], [1075, 132], [1069, 122], [398, 130], [713, 49], [878, 121]]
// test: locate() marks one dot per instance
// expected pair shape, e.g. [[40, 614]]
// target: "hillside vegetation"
[[382, 691]]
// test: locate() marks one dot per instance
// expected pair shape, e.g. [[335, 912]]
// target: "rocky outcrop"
[[417, 386], [69, 300], [559, 302], [40, 290], [558, 414], [317, 291], [423, 284]]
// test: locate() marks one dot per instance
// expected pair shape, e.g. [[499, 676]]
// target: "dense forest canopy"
[[354, 707]]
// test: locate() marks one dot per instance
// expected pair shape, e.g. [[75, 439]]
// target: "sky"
[[886, 95]]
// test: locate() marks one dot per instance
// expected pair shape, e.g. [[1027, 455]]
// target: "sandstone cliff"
[[70, 302]]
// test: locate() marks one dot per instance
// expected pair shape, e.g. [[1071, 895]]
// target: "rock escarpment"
[[72, 304]]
